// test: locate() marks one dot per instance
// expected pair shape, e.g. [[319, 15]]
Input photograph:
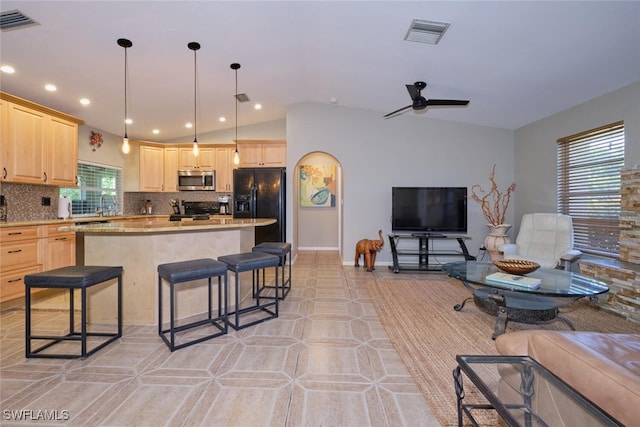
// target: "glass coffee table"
[[520, 304], [523, 393]]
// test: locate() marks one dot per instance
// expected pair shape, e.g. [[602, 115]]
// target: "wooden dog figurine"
[[368, 248]]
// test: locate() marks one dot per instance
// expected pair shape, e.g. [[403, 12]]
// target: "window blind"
[[99, 187], [589, 165]]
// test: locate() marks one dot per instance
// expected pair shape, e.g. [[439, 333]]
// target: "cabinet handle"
[[4, 173], [14, 252], [60, 238], [15, 233], [45, 176], [15, 280]]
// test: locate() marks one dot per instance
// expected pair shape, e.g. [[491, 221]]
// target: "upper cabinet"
[[206, 158], [262, 153], [224, 168], [39, 145], [144, 168], [170, 169], [62, 154]]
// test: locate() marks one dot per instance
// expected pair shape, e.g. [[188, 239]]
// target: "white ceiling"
[[516, 61]]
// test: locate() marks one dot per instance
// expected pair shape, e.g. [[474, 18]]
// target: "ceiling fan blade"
[[413, 92], [444, 102], [397, 111]]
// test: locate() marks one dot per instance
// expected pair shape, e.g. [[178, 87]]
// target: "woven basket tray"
[[516, 266]]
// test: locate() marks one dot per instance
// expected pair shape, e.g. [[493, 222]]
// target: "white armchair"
[[545, 238]]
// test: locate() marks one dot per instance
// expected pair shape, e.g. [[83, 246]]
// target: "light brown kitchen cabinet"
[[171, 169], [21, 253], [151, 168], [224, 168], [39, 145], [206, 158], [62, 152], [59, 249], [262, 153], [4, 139], [32, 249], [25, 145]]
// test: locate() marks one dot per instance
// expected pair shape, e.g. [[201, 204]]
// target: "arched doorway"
[[317, 208]]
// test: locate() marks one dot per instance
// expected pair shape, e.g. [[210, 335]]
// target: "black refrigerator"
[[260, 193]]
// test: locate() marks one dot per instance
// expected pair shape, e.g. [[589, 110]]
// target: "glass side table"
[[523, 393]]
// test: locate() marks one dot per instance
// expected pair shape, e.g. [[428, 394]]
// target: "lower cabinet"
[[31, 249], [60, 248]]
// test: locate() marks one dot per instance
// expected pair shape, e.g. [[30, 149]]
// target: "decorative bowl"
[[516, 266]]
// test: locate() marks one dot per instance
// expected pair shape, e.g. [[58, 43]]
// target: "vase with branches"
[[494, 203]]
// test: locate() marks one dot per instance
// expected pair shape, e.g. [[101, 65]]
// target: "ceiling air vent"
[[426, 31], [14, 19]]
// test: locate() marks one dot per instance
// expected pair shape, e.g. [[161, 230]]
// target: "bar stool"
[[251, 261], [71, 278], [187, 271], [281, 249]]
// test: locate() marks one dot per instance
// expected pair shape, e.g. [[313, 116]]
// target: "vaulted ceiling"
[[516, 61]]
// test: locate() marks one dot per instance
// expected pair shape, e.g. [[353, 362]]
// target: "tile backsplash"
[[24, 201]]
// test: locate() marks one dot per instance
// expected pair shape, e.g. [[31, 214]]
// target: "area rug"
[[419, 318]]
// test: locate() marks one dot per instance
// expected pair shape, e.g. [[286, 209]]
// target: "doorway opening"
[[317, 209]]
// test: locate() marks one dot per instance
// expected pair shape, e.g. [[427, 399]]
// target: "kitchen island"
[[141, 245]]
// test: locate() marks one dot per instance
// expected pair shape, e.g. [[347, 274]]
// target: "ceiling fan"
[[420, 103]]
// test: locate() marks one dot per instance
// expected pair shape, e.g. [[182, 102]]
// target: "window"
[[589, 165], [99, 187]]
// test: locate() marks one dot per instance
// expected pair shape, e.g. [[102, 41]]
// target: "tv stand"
[[428, 234], [423, 252]]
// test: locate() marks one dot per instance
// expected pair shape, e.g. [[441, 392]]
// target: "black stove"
[[197, 211], [196, 208]]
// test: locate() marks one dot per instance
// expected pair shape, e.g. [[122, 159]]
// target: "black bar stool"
[[187, 271], [251, 261], [281, 249], [71, 278]]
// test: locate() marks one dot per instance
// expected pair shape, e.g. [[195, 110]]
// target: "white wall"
[[535, 145], [109, 154], [377, 154]]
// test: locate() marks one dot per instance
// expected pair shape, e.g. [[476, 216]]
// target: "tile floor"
[[326, 361]]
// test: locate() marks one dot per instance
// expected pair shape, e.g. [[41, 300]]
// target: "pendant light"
[[236, 156], [194, 46], [125, 140]]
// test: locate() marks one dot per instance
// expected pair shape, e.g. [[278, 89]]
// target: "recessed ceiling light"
[[128, 121], [156, 131], [188, 125], [222, 119], [85, 101], [7, 69], [426, 31], [50, 87], [258, 106]]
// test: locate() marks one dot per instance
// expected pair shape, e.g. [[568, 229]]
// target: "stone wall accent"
[[623, 277], [623, 280], [630, 215]]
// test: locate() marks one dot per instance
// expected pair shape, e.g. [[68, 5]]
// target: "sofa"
[[605, 368]]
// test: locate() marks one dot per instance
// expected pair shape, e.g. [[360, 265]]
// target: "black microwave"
[[191, 180]]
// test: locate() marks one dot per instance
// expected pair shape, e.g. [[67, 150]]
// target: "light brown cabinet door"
[[224, 169], [26, 145], [171, 169], [151, 168], [263, 154], [62, 153]]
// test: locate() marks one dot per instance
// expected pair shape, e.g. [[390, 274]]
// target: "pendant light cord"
[[195, 98], [125, 92], [194, 46]]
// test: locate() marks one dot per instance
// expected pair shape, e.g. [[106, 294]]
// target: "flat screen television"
[[429, 209]]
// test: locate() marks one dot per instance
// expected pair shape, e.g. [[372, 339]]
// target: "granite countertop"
[[154, 226], [94, 219]]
